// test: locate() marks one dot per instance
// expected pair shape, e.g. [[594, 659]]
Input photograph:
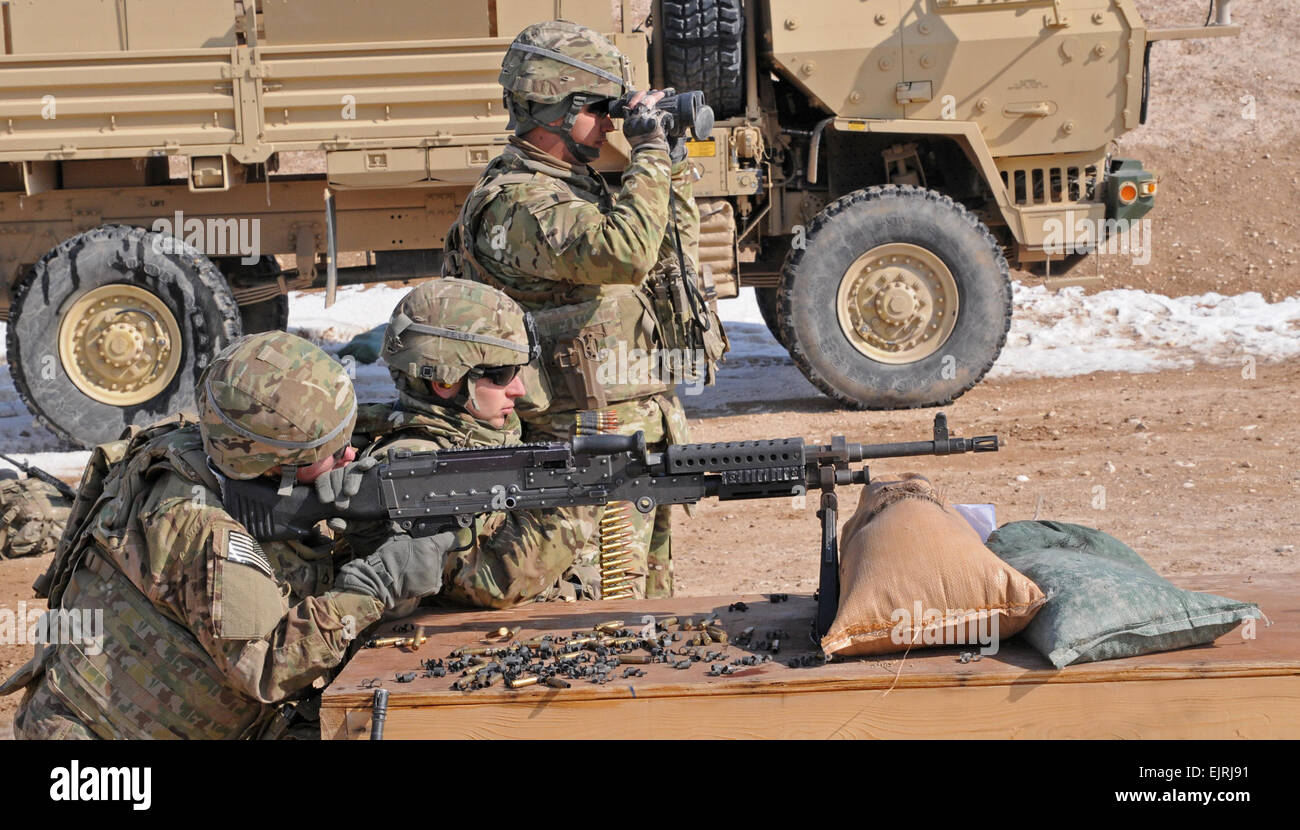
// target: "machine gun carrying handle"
[[598, 444]]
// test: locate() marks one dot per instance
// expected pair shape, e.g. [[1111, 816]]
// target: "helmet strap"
[[288, 477], [529, 118], [469, 392], [457, 401]]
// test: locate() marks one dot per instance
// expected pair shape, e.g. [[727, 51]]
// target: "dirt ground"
[[1196, 470]]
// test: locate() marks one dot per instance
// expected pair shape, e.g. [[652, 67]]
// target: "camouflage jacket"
[[557, 238], [562, 224], [203, 630], [512, 557]]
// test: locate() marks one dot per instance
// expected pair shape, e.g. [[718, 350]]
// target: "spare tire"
[[704, 49], [111, 328]]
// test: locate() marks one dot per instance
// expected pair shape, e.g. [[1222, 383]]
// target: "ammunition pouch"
[[596, 353], [693, 337]]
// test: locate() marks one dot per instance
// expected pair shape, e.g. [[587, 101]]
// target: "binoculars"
[[686, 110]]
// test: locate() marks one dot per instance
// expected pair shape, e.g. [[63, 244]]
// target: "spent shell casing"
[[521, 682], [638, 659], [666, 622], [718, 634], [557, 682]]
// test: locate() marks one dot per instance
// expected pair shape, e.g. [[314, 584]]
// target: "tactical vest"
[[628, 342], [152, 678]]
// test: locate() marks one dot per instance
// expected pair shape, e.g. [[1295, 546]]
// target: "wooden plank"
[[1208, 709], [1236, 686]]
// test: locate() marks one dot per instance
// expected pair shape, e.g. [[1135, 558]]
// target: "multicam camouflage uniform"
[[205, 632], [555, 238], [439, 332], [32, 516]]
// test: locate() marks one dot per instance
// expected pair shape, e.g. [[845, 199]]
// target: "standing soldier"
[[620, 320], [455, 350], [205, 633]]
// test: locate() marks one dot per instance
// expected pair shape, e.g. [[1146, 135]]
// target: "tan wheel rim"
[[120, 345], [897, 303]]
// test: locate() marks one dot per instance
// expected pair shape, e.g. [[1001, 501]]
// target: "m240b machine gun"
[[427, 492]]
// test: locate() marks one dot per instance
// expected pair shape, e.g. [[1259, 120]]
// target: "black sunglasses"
[[498, 375], [599, 108]]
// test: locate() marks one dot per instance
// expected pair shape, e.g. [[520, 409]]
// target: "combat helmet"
[[552, 70], [447, 328], [274, 398]]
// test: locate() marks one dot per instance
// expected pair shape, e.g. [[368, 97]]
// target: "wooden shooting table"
[[1235, 688]]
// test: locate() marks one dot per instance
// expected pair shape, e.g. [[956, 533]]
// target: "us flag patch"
[[244, 549]]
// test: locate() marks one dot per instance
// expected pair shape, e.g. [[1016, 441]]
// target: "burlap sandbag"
[[913, 573]]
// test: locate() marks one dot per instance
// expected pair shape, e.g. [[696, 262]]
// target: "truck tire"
[[867, 305], [767, 306], [110, 329], [704, 49]]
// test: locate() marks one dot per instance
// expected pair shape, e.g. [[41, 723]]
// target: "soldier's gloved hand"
[[338, 486], [403, 568], [644, 127]]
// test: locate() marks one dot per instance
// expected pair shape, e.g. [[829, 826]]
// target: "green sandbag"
[[365, 348], [1103, 600]]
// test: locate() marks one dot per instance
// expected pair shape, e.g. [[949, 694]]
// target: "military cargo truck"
[[876, 167]]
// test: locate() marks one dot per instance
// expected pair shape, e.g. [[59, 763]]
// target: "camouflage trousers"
[[632, 554]]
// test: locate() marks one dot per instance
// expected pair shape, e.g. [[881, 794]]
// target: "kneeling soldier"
[[205, 633]]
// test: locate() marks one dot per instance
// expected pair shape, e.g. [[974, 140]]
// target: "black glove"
[[403, 568], [644, 127], [338, 486]]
